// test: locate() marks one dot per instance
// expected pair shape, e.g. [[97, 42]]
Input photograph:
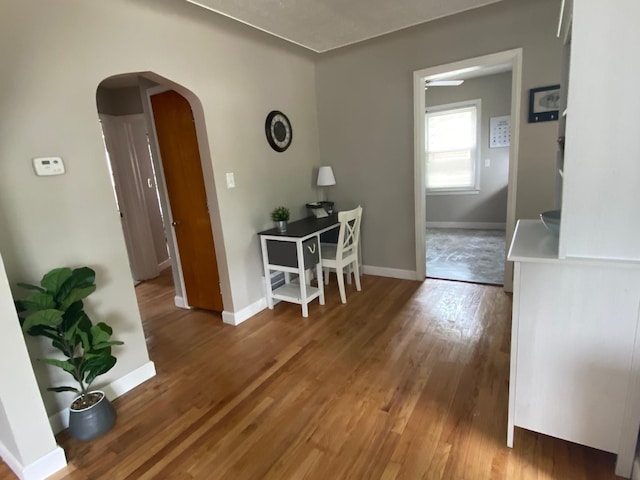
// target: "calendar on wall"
[[500, 131]]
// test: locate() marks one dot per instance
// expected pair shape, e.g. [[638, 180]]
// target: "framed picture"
[[544, 103]]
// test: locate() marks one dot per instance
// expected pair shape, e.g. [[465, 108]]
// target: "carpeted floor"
[[467, 255]]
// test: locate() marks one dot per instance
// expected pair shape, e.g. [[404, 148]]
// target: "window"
[[451, 143]]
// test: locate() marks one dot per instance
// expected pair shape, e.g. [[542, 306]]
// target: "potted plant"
[[280, 215], [55, 310]]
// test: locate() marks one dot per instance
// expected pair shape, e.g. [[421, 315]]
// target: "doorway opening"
[[466, 167], [157, 152]]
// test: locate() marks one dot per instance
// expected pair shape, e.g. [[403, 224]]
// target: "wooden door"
[[180, 155]]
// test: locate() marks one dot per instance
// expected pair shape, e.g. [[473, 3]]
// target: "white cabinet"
[[575, 348]]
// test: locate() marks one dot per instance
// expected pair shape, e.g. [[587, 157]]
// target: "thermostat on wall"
[[48, 166]]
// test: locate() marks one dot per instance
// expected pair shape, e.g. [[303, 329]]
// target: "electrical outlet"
[[487, 162]]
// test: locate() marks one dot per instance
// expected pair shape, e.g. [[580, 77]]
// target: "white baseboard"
[[165, 264], [60, 420], [236, 318], [469, 225], [40, 469], [390, 272], [180, 302]]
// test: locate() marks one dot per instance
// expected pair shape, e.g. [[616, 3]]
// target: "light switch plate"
[[45, 166], [231, 181]]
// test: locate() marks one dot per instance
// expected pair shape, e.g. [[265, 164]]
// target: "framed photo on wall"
[[544, 103]]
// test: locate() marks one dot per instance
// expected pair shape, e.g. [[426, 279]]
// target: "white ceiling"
[[322, 25]]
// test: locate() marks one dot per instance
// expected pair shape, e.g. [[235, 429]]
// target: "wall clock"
[[278, 130]]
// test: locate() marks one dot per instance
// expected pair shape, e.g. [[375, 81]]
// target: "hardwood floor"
[[405, 381]]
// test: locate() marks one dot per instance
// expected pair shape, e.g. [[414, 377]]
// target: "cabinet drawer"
[[284, 253]]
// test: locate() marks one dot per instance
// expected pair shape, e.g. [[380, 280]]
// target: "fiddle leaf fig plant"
[[55, 310]]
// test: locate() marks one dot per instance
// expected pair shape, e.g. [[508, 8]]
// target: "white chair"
[[343, 254]]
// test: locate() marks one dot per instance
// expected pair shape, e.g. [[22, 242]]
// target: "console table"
[[295, 251]]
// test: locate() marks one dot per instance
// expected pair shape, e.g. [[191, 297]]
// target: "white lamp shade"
[[325, 177]]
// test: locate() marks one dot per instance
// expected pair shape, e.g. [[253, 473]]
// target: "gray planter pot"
[[92, 422], [282, 226]]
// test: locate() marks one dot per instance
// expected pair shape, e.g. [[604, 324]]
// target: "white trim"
[[451, 191], [11, 461], [510, 56], [165, 204], [42, 468], [469, 225], [468, 105], [60, 420], [165, 264], [236, 318], [390, 273], [180, 302]]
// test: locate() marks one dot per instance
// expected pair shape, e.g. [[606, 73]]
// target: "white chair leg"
[[325, 274], [356, 273], [340, 275], [349, 274]]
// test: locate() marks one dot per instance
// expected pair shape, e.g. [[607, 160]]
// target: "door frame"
[[514, 57], [181, 300]]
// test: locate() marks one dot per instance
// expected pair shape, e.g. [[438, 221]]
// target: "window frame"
[[475, 188]]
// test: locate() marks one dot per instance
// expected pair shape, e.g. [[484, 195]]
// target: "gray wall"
[[365, 115], [236, 73], [490, 205]]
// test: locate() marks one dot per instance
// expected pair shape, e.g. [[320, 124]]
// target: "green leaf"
[[102, 345], [53, 280], [38, 301], [84, 276], [49, 317], [105, 328], [75, 295], [80, 278], [63, 389], [45, 331], [28, 286], [72, 315], [66, 365], [100, 333], [84, 338], [99, 368]]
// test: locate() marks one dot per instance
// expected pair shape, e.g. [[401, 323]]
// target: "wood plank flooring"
[[407, 380]]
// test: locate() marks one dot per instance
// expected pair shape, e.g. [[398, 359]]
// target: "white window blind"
[[451, 142]]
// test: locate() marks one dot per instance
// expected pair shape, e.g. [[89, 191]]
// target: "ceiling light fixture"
[[443, 83]]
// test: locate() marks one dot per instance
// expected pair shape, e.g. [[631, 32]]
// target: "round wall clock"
[[278, 131]]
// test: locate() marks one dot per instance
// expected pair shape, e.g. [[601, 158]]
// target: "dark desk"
[[294, 251]]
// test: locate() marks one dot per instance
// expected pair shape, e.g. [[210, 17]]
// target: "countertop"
[[533, 243]]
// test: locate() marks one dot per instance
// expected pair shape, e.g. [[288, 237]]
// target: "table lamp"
[[325, 179]]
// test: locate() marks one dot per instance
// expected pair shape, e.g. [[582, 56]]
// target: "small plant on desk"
[[280, 215]]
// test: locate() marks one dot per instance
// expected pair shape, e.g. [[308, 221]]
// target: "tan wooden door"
[[178, 147]]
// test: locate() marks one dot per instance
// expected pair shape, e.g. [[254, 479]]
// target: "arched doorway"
[[127, 100]]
